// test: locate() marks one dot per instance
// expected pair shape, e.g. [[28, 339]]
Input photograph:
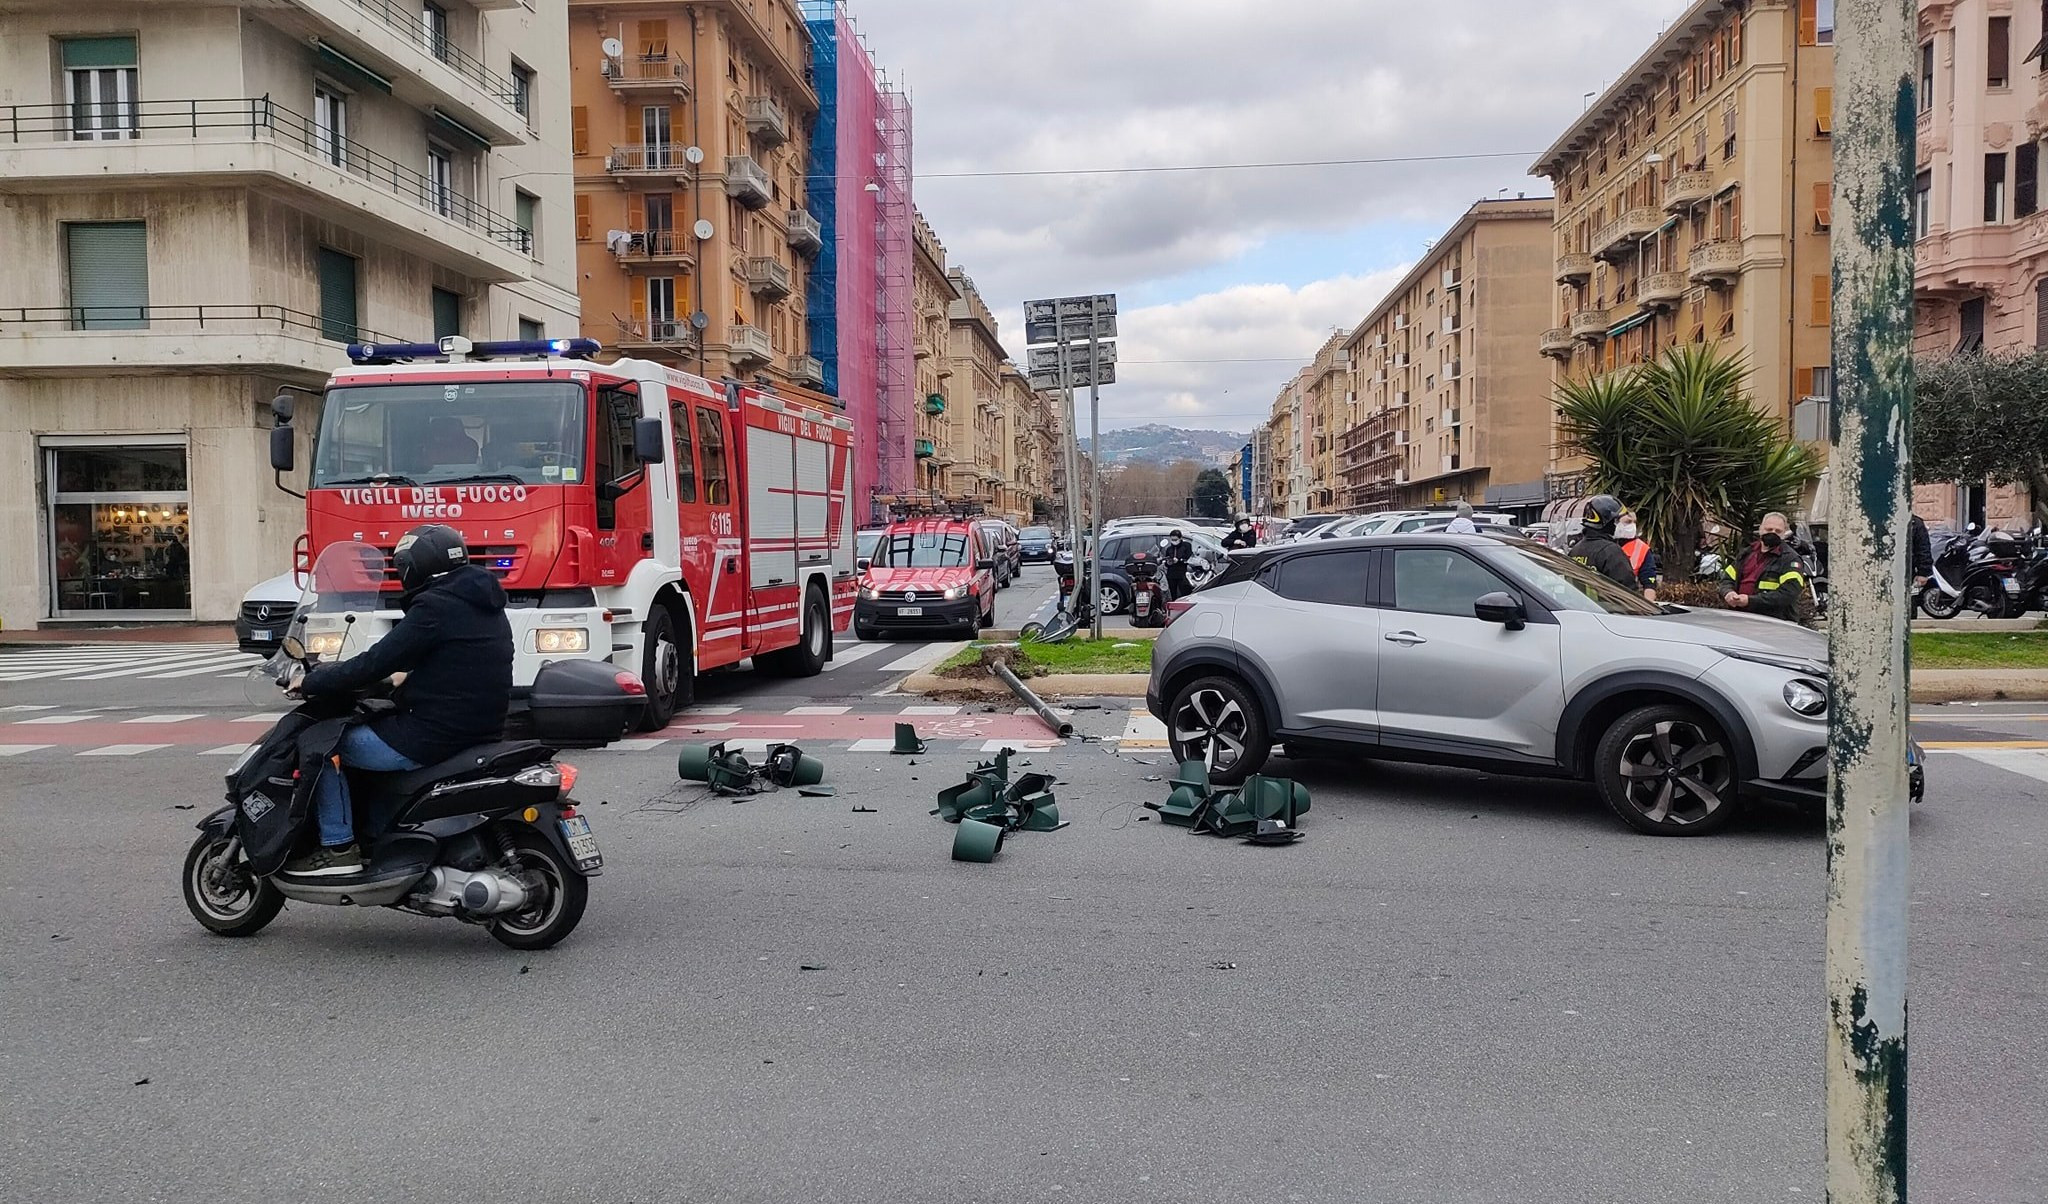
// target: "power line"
[[1266, 166]]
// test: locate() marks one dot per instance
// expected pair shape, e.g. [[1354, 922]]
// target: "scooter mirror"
[[294, 648]]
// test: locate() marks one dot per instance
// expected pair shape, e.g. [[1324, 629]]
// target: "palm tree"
[[1678, 441]]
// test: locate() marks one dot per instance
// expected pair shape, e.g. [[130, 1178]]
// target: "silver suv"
[[1494, 652]]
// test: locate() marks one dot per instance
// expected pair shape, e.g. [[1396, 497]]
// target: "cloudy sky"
[[1228, 265]]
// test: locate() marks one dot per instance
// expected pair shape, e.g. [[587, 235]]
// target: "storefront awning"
[[336, 59], [1527, 493], [481, 141]]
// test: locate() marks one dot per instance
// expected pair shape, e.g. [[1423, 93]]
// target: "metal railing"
[[657, 330], [224, 319], [259, 119], [662, 157], [654, 244], [661, 69], [407, 23]]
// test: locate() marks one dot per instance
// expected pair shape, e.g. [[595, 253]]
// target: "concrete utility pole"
[[1875, 59], [1072, 451], [1095, 464]]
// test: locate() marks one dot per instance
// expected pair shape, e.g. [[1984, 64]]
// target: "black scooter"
[[489, 837], [1148, 593], [1972, 572]]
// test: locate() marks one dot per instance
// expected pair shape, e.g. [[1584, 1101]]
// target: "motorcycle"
[[2031, 577], [1148, 596], [1972, 572], [489, 836]]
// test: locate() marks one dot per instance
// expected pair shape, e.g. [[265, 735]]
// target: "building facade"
[[932, 299], [1449, 402], [974, 393], [1693, 204], [206, 202], [1289, 488], [1981, 255]]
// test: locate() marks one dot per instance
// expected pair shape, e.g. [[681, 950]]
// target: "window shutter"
[[1824, 111], [1735, 38], [637, 307], [1822, 300], [1823, 204], [1998, 51], [579, 129], [109, 275], [636, 213], [338, 318], [2026, 178], [583, 217], [447, 314], [2041, 313], [82, 53], [653, 40], [1809, 23]]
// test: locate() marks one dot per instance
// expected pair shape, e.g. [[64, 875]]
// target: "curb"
[[1052, 685], [1979, 685]]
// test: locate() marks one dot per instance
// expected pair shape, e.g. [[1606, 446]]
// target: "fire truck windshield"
[[922, 550], [528, 432]]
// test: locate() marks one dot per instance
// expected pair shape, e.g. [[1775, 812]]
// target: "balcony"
[[1574, 267], [768, 278], [749, 345], [805, 235], [935, 403], [164, 339], [1661, 291], [1556, 342], [1449, 419], [1400, 438], [747, 182], [1589, 325], [664, 248], [1454, 322], [671, 334], [254, 142], [1454, 370], [1454, 279], [926, 449], [766, 121], [1718, 262], [642, 74], [1686, 189], [807, 370], [1617, 239], [649, 161]]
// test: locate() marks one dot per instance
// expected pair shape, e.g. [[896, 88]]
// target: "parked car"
[[1035, 544], [1002, 542], [1423, 520], [266, 610], [1488, 524], [1116, 584], [1308, 524], [864, 546], [1490, 651], [927, 575], [1362, 524]]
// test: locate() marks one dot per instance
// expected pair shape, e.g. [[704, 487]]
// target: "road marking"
[[639, 745], [929, 710], [55, 719], [701, 727], [1143, 731], [210, 667], [226, 750], [1965, 745], [924, 657], [850, 655], [2031, 763], [270, 717], [871, 746], [163, 718], [122, 750], [719, 709], [28, 707], [210, 663], [1020, 745], [15, 750], [817, 710]]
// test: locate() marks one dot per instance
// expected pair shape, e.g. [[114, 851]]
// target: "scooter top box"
[[583, 703]]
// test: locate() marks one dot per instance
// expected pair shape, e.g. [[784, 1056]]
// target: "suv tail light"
[[1176, 608]]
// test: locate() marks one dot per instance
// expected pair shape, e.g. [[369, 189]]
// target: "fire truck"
[[635, 514]]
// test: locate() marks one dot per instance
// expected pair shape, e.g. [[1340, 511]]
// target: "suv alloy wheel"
[[1667, 770], [1217, 721]]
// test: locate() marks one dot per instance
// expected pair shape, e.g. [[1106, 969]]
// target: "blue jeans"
[[360, 748]]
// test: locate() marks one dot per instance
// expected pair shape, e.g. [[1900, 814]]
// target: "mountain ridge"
[[1159, 443]]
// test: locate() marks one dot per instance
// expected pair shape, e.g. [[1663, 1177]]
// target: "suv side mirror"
[[650, 441], [281, 449], [988, 566], [1501, 607]]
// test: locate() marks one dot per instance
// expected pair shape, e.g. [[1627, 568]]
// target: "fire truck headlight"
[[955, 593], [561, 639], [327, 643]]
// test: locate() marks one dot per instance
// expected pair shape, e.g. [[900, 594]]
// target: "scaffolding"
[[895, 352]]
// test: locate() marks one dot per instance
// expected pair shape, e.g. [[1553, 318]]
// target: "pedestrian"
[[1595, 547], [1242, 536], [1767, 578], [1640, 554], [1174, 553], [1462, 524], [1921, 549]]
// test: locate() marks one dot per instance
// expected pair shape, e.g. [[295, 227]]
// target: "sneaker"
[[343, 862]]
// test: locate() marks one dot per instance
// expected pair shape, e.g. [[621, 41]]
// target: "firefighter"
[[1595, 547], [1766, 579]]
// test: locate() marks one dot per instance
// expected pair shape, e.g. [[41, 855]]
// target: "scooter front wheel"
[[1936, 603], [221, 892], [555, 909]]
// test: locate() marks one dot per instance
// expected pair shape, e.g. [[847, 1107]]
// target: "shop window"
[[120, 529]]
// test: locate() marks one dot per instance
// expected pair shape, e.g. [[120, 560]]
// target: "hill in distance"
[[1155, 443]]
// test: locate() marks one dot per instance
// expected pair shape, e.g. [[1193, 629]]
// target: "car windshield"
[[922, 550], [1035, 533], [866, 542], [1569, 585], [530, 432]]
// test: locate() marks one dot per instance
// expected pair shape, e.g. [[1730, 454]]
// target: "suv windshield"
[[1569, 585], [921, 550], [434, 434]]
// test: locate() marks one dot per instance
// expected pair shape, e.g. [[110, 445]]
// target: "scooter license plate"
[[1144, 605], [582, 845], [912, 611], [2012, 585]]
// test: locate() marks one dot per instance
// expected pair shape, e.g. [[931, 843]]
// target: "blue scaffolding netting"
[[822, 188]]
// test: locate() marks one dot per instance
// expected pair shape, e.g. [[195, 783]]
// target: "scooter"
[[490, 836], [1148, 597], [1975, 574]]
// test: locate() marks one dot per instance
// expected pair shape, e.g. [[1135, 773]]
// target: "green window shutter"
[[109, 275], [530, 330], [98, 52], [524, 205], [447, 314], [338, 317]]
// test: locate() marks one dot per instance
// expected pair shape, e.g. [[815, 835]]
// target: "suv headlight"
[[1778, 660], [1806, 698], [869, 593], [954, 593]]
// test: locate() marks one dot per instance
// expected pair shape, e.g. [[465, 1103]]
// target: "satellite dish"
[[699, 320], [693, 155], [613, 48], [703, 229]]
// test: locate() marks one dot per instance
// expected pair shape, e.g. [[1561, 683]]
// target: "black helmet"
[[427, 553], [1602, 510]]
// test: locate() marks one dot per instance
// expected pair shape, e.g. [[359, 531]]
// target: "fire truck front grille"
[[501, 559]]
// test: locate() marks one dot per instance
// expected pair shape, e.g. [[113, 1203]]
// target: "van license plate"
[[261, 637], [582, 845], [912, 611]]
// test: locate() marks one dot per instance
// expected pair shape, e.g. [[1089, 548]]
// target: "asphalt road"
[[1459, 987]]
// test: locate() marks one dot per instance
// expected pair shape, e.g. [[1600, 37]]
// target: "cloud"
[[1003, 85]]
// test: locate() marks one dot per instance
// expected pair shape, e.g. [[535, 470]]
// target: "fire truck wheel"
[[807, 658], [662, 669]]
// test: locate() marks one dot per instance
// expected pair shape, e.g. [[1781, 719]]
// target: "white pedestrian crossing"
[[923, 658], [817, 710], [164, 718], [104, 662], [122, 750], [225, 750], [15, 750], [842, 657]]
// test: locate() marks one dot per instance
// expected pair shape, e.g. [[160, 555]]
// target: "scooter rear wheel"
[[1936, 603], [556, 910], [223, 896]]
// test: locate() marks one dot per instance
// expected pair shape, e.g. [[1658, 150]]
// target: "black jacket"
[[1781, 580], [1240, 539], [1920, 548], [1598, 551], [455, 647]]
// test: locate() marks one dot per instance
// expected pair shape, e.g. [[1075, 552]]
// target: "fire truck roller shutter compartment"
[[771, 507], [814, 487]]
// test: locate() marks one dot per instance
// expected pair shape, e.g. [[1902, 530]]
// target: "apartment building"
[[1693, 206], [932, 299], [1291, 474], [1260, 498], [205, 202], [973, 393], [1449, 402], [1981, 255], [1327, 397], [689, 124]]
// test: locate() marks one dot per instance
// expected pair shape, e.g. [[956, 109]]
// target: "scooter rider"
[[1176, 552], [1596, 548], [454, 646]]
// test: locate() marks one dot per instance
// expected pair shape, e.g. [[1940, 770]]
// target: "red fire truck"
[[635, 513]]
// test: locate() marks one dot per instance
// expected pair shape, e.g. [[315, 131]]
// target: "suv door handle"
[[1404, 637]]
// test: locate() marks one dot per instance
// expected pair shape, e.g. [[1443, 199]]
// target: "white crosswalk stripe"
[[103, 662], [15, 750], [842, 657], [122, 750], [2027, 762]]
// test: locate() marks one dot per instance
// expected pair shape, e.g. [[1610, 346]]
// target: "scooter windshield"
[[347, 583]]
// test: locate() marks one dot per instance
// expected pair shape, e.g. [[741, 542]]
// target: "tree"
[[1678, 441], [1212, 494], [1980, 417]]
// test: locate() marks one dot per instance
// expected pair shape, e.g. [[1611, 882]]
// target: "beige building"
[[1693, 205], [932, 297], [1292, 475], [1450, 403], [202, 202], [974, 393], [1981, 256], [699, 123]]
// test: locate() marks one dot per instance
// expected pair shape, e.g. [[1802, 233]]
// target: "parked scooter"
[[1148, 594], [489, 836], [1975, 573]]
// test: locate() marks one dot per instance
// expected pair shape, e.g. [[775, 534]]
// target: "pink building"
[[1978, 210]]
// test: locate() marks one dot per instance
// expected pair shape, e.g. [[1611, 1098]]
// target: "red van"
[[927, 575]]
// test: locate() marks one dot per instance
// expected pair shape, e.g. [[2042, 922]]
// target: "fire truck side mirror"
[[650, 441], [282, 407], [281, 448]]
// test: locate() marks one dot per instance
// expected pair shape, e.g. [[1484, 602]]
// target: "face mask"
[[1625, 531], [1771, 539]]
